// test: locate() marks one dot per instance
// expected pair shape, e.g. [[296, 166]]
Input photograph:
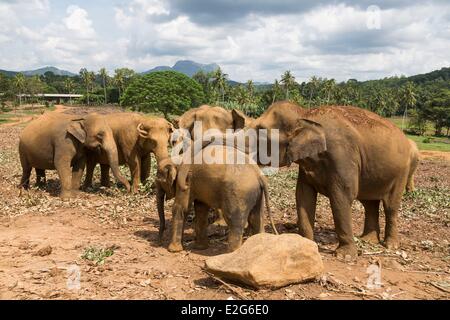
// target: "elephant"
[[237, 190], [414, 163], [136, 138], [344, 153], [211, 117], [59, 141]]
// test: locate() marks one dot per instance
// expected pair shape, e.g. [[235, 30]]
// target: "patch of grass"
[[97, 255], [431, 143], [426, 142]]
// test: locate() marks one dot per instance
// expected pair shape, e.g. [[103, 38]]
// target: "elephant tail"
[[265, 188]]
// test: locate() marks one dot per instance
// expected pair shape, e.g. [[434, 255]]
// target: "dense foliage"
[[421, 98], [168, 92]]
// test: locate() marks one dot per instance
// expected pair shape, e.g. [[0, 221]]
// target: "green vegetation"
[[97, 255], [431, 143], [421, 102], [168, 92]]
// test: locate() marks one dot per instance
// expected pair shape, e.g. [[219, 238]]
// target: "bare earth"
[[42, 238]]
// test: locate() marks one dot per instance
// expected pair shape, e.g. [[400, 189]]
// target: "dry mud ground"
[[43, 241]]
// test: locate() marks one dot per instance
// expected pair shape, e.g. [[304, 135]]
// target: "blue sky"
[[250, 39]]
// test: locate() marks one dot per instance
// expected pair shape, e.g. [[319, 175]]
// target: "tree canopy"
[[168, 92]]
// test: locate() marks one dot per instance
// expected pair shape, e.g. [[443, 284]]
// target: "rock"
[[44, 251], [269, 261]]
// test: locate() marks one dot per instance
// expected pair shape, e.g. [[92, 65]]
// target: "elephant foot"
[[391, 243], [201, 245], [220, 222], [175, 247], [371, 237], [347, 252], [66, 195]]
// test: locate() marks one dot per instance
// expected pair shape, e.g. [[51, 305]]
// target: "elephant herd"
[[345, 153]]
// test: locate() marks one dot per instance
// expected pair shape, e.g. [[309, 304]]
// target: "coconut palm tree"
[[19, 83], [408, 98], [104, 75], [220, 81], [88, 79], [288, 81], [69, 85]]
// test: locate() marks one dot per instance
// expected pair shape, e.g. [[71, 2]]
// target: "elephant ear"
[[238, 119], [143, 131], [76, 129], [307, 141]]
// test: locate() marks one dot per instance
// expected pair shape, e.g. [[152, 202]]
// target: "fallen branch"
[[230, 287]]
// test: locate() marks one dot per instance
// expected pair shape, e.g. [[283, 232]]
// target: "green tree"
[[122, 78], [168, 92], [276, 91], [88, 78], [19, 84], [407, 98], [288, 81], [34, 86], [104, 76], [69, 85], [219, 82]]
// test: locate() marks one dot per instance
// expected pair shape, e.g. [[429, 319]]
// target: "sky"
[[255, 40]]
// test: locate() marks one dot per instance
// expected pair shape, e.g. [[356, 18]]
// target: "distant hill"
[[187, 67], [39, 72]]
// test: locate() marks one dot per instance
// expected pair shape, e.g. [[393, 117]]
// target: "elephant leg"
[[201, 225], [90, 166], [62, 165], [256, 217], [40, 177], [26, 173], [220, 221], [77, 173], [371, 231], [104, 170], [146, 165], [236, 224], [306, 197], [135, 168], [391, 206], [341, 208], [178, 215]]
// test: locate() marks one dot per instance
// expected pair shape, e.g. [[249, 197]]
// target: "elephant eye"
[[100, 135]]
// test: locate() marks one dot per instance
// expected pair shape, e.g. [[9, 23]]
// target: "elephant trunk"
[[113, 159], [160, 195]]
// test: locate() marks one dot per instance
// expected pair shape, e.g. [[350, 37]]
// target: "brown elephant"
[[136, 138], [413, 166], [211, 117], [237, 190], [344, 153], [58, 141]]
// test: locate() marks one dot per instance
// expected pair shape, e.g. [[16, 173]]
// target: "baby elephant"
[[238, 190]]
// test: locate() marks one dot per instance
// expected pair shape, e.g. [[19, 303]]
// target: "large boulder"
[[267, 260]]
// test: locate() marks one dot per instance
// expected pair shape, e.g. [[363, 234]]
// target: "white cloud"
[[78, 22], [325, 40]]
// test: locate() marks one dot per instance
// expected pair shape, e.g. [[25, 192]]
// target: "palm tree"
[[104, 75], [220, 81], [408, 98], [119, 81], [276, 90], [288, 81], [88, 79], [314, 84], [19, 83], [329, 88], [69, 85]]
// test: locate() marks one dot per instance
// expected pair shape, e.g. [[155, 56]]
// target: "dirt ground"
[[45, 243]]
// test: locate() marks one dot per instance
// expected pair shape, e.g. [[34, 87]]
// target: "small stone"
[[44, 251]]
